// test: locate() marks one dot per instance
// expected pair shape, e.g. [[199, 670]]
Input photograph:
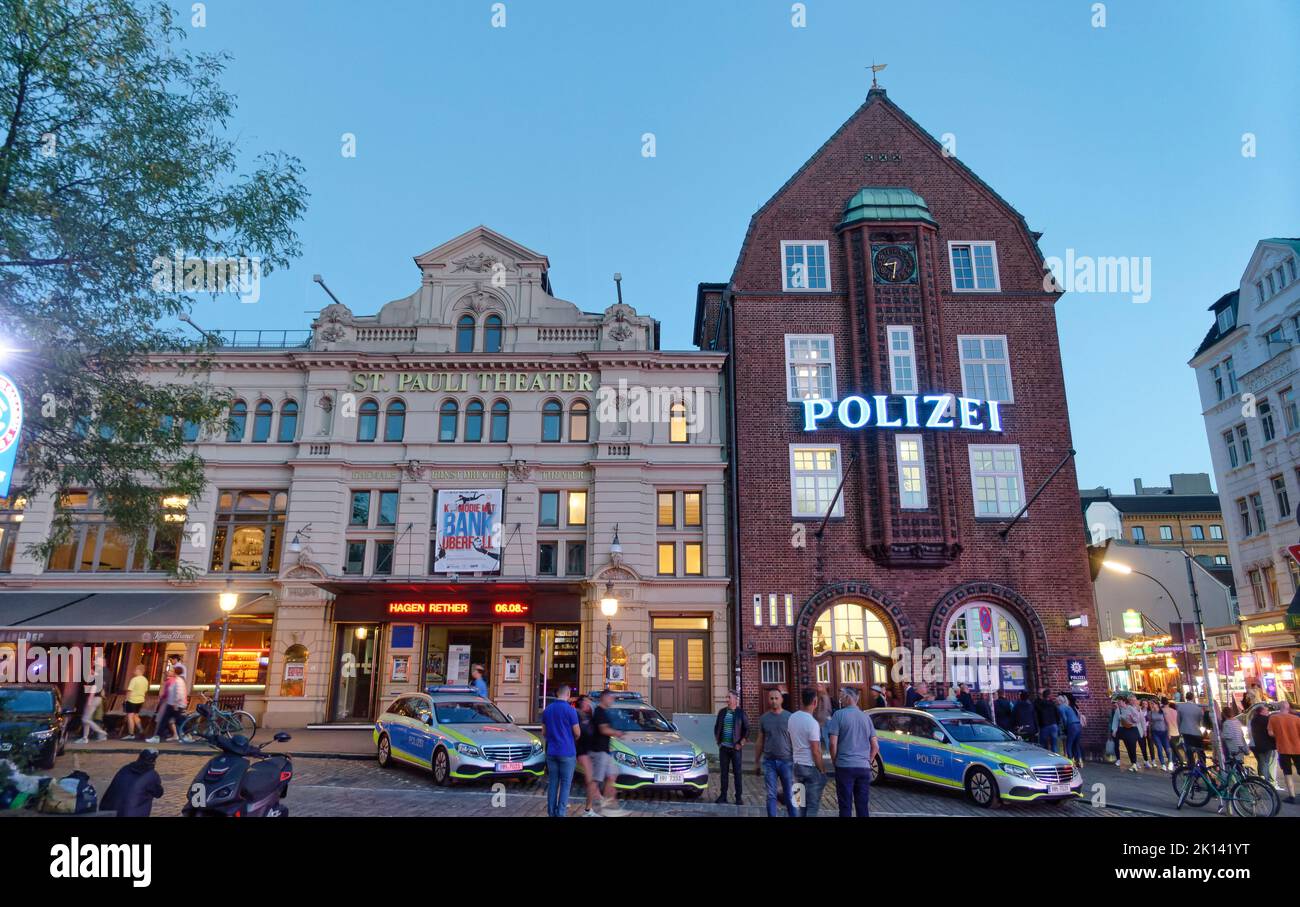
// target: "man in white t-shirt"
[[806, 743]]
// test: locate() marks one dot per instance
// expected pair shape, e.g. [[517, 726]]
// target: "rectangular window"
[[985, 368], [383, 558], [814, 479], [354, 560], [575, 558], [548, 512], [248, 531], [1231, 372], [1290, 410], [1216, 532], [1243, 511], [577, 508], [804, 266], [771, 671], [974, 266], [772, 617], [1218, 381], [789, 610], [1257, 589], [667, 509], [1283, 499], [902, 359], [1244, 437], [360, 513], [1265, 413], [387, 509], [546, 558], [1198, 533], [1139, 535], [692, 509], [911, 472], [1221, 560], [809, 367], [1257, 507], [997, 481], [1270, 585], [1166, 533], [1230, 443], [1225, 320], [758, 610], [693, 558], [667, 558]]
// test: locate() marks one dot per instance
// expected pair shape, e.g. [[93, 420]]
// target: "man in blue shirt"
[[478, 683], [560, 721]]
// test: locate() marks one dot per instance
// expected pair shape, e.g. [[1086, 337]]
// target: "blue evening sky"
[[1124, 140]]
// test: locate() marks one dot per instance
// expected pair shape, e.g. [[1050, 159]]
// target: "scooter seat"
[[262, 779]]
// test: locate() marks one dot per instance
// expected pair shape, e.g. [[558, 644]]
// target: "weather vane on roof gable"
[[875, 68]]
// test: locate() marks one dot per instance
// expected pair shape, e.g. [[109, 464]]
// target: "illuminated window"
[[579, 421], [814, 479], [249, 531], [677, 423], [577, 508], [996, 479], [911, 472], [850, 627], [691, 507], [667, 559], [667, 509], [693, 556], [809, 367]]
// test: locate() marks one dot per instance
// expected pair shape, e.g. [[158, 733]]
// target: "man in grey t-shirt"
[[1191, 718], [775, 753], [853, 748]]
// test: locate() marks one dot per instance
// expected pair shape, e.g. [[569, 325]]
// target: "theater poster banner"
[[469, 531], [11, 426]]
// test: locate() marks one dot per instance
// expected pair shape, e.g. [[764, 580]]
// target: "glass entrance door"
[[557, 662], [354, 674]]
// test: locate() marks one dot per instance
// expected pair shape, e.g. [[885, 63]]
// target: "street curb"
[[117, 750]]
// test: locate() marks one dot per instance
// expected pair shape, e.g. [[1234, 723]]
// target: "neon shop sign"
[[940, 411]]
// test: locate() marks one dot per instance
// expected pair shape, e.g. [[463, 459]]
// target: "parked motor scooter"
[[242, 781]]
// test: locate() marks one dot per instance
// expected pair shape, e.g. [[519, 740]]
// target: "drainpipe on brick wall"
[[733, 522]]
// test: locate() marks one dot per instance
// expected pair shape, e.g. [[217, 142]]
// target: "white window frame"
[[910, 355], [839, 476], [974, 474], [919, 465], [952, 270], [826, 250], [984, 362], [789, 378], [764, 664]]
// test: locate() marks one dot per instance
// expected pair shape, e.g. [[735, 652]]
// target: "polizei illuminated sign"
[[943, 411]]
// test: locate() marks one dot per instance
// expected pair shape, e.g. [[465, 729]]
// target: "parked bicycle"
[[1240, 791], [215, 721]]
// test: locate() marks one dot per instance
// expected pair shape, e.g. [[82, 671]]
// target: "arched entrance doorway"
[[851, 646], [986, 647]]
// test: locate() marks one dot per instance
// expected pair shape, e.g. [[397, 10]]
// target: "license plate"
[[668, 777], [1058, 789], [510, 766]]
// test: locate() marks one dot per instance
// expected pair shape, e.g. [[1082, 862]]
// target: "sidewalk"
[[319, 743]]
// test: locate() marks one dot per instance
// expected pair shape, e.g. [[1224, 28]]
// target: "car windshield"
[[637, 718], [975, 730], [26, 702], [469, 711]]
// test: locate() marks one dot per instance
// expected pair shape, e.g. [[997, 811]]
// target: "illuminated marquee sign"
[[11, 426], [940, 411], [427, 608], [516, 608], [458, 609]]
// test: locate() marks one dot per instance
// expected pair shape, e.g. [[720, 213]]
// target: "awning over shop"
[[102, 617]]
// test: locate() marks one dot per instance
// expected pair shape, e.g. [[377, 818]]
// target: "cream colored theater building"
[[573, 429]]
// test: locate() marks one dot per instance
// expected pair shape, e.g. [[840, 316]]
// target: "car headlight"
[[701, 757], [42, 735], [625, 758], [468, 749], [537, 746], [1017, 770]]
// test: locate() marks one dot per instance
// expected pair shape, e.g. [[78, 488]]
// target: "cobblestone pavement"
[[353, 787]]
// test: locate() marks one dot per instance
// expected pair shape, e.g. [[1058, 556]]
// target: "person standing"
[[1073, 730], [825, 708], [806, 746], [136, 691], [1191, 718], [775, 754], [878, 697], [853, 749], [964, 697], [1048, 719], [918, 693], [982, 706], [1262, 743], [1143, 731], [1234, 735], [603, 766], [478, 683], [1003, 710], [583, 748], [1129, 718], [94, 699], [1158, 725], [1023, 718], [1175, 737], [730, 731], [562, 729], [1285, 728]]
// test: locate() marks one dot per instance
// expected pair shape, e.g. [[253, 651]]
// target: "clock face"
[[894, 264]]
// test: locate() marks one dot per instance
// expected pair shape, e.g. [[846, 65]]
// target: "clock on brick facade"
[[894, 263]]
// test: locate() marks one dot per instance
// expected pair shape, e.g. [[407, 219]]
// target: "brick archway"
[[829, 595], [1004, 597]]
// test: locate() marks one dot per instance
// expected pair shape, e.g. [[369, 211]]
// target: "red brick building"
[[882, 276]]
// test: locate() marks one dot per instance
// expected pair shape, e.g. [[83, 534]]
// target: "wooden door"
[[681, 679]]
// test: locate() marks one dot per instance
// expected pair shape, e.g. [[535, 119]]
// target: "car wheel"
[[385, 752], [878, 775], [982, 788], [441, 768]]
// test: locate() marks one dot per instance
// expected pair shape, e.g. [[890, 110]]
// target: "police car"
[[939, 743], [651, 755], [457, 734]]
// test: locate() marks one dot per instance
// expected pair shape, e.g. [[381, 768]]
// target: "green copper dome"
[[880, 203]]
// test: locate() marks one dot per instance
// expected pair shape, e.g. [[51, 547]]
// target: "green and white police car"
[[651, 754], [457, 734]]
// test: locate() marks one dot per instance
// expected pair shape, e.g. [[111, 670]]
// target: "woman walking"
[[1130, 720], [1159, 728]]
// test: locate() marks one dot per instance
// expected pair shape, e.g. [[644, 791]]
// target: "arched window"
[[465, 334], [579, 421], [981, 636], [677, 423], [238, 421], [500, 421], [395, 421], [368, 421], [288, 422], [447, 421], [850, 627], [552, 412], [474, 421], [492, 334], [262, 421]]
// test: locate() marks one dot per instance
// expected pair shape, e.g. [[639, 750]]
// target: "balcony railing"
[[263, 340]]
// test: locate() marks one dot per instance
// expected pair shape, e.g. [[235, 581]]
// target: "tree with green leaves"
[[115, 163]]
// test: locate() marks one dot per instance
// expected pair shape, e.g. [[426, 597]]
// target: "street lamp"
[[228, 599], [609, 607], [1200, 632]]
